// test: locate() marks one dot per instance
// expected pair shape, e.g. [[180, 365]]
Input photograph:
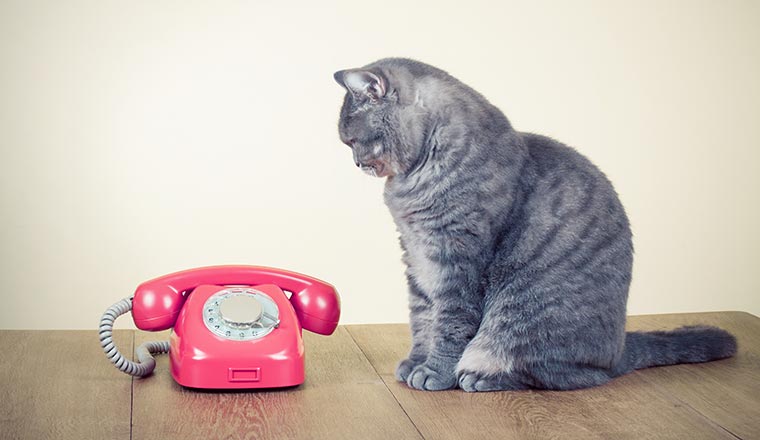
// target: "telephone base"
[[200, 358], [285, 373]]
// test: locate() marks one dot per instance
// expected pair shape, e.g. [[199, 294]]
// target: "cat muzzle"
[[374, 168]]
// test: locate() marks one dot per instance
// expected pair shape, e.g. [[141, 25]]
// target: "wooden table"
[[58, 385]]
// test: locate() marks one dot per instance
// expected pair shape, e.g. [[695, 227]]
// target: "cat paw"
[[424, 377], [404, 368], [472, 381]]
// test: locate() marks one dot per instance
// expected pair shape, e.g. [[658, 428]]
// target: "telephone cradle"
[[233, 326]]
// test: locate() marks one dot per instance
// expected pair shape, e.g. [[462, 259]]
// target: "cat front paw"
[[430, 377], [404, 368], [472, 381]]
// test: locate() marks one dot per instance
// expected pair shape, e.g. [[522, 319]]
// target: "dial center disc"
[[240, 311]]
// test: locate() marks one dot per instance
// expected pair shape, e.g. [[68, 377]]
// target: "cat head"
[[383, 118]]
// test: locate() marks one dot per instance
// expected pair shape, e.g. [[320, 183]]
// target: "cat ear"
[[361, 82]]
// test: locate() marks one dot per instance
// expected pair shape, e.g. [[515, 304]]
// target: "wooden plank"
[[343, 398], [59, 385], [727, 391], [628, 407]]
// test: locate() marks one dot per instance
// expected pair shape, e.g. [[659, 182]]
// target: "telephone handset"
[[234, 326]]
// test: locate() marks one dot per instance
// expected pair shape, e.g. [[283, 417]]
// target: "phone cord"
[[144, 353]]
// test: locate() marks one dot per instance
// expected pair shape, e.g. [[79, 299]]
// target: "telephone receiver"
[[233, 326], [158, 302]]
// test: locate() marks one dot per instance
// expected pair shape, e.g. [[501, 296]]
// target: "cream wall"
[[140, 138]]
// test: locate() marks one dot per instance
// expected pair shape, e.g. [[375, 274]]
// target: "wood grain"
[[728, 391], [59, 385], [628, 407], [342, 398]]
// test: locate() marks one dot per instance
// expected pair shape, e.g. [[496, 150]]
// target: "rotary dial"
[[240, 314]]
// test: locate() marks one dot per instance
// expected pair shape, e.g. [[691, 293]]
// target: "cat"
[[518, 249]]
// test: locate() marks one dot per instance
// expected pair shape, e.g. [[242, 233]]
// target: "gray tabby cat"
[[518, 249]]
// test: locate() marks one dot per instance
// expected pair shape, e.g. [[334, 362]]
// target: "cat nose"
[[350, 142]]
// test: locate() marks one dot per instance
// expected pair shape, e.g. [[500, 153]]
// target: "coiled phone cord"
[[144, 353]]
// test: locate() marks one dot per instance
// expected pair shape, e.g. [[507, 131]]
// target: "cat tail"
[[680, 346]]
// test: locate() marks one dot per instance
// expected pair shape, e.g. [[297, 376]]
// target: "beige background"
[[140, 138]]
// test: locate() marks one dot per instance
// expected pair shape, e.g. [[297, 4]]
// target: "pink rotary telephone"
[[234, 326]]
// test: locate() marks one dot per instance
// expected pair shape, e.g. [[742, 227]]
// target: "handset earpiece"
[[317, 308], [156, 305]]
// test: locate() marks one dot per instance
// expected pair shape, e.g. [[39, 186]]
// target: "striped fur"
[[517, 247]]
